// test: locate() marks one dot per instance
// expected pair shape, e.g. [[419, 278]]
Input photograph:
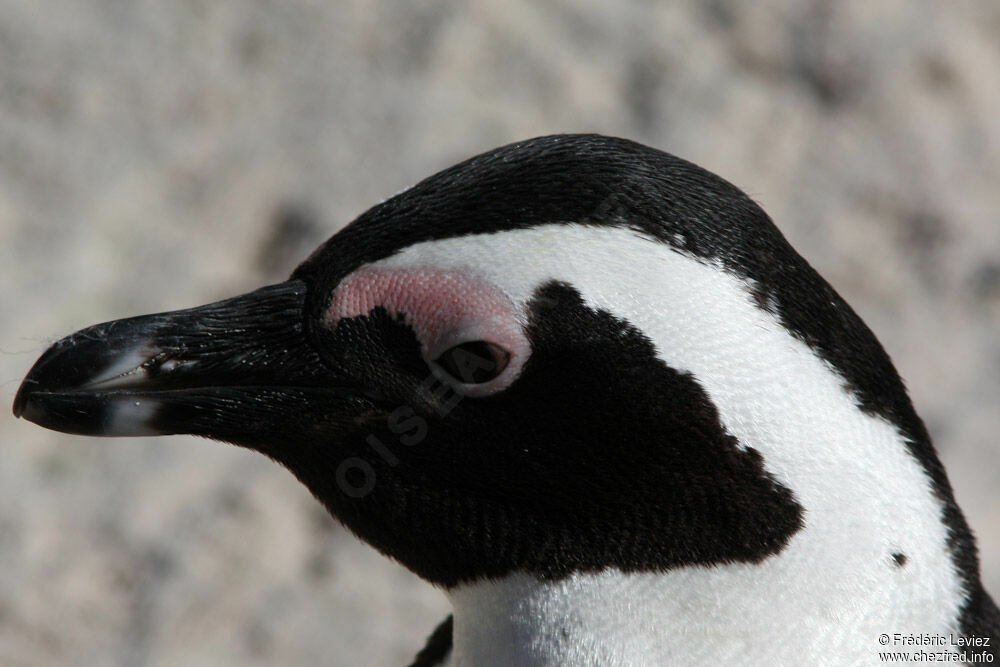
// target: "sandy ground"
[[160, 155]]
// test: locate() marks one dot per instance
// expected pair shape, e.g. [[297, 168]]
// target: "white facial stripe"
[[863, 493]]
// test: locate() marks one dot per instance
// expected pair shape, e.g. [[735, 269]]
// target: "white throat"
[[727, 615], [582, 620]]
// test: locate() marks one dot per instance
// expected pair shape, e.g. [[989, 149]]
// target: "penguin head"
[[558, 356]]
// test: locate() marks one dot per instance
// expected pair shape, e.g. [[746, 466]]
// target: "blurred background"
[[161, 155]]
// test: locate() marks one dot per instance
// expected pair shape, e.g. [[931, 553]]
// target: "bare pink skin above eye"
[[444, 307]]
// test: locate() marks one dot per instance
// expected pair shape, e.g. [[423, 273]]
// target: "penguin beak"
[[230, 370]]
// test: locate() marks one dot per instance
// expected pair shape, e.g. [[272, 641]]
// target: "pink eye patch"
[[444, 307]]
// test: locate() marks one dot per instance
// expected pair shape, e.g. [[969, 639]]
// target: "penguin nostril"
[[160, 366], [160, 363], [474, 362], [169, 365]]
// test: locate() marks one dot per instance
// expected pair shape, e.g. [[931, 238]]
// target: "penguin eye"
[[474, 362]]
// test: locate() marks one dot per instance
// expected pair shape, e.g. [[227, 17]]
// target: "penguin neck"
[[605, 618], [728, 614], [685, 616]]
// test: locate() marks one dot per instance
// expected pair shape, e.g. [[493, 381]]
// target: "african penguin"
[[589, 390]]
